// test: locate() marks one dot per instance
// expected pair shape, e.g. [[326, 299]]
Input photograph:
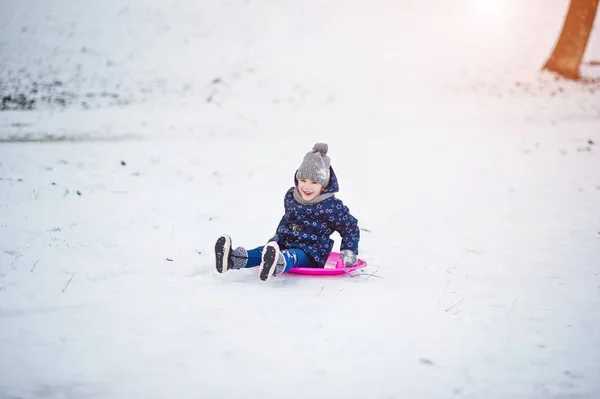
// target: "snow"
[[473, 175]]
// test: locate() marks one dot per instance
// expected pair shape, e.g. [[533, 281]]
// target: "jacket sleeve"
[[347, 225], [276, 236]]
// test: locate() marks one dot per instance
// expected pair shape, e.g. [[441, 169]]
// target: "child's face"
[[309, 189]]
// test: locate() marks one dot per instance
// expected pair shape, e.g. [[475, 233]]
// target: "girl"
[[312, 214]]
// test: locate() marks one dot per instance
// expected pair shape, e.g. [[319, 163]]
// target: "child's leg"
[[295, 257], [228, 258], [254, 257], [276, 262], [243, 258]]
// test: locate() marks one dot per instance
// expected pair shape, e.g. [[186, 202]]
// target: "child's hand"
[[349, 257]]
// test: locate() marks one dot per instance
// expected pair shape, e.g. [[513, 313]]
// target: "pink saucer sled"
[[333, 266]]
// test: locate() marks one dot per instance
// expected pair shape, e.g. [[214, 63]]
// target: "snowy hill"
[[156, 126]]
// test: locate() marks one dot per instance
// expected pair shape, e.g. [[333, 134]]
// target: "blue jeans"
[[293, 258]]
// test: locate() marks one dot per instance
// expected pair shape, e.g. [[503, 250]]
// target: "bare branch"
[[68, 282], [459, 302], [34, 264]]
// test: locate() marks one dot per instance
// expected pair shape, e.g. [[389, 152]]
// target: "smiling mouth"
[[307, 194]]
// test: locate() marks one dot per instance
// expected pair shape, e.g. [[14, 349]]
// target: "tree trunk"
[[570, 47]]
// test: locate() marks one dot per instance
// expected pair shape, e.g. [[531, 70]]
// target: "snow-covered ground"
[[158, 125]]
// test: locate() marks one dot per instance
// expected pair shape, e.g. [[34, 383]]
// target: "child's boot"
[[240, 258], [226, 258], [223, 260], [273, 262]]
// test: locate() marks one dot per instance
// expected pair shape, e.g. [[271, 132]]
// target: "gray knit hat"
[[315, 165]]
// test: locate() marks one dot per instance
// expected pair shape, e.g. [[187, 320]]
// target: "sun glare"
[[491, 7]]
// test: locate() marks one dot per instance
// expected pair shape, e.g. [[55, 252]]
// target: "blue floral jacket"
[[309, 227]]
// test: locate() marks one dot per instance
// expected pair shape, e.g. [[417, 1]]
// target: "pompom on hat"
[[315, 165]]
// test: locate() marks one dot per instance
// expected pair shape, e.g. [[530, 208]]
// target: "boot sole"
[[269, 262], [222, 248]]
